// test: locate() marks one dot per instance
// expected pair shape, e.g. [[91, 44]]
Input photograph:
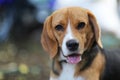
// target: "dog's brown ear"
[[48, 39], [96, 28]]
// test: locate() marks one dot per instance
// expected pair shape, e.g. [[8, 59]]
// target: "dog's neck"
[[67, 72]]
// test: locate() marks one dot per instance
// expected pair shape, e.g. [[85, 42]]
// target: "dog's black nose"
[[72, 45]]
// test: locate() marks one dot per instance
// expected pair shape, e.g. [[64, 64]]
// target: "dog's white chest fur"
[[68, 73]]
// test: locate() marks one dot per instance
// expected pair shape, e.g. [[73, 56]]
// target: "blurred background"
[[21, 23]]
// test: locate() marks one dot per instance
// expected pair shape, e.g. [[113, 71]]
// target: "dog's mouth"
[[73, 58]]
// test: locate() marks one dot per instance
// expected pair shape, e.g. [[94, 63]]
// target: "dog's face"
[[73, 30]]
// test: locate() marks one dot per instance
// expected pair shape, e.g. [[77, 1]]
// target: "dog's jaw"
[[71, 59]]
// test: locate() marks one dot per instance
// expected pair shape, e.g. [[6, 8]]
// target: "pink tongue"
[[73, 59]]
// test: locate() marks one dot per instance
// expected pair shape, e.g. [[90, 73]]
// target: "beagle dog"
[[72, 37]]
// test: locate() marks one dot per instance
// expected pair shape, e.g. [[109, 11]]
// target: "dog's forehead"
[[77, 13], [72, 14]]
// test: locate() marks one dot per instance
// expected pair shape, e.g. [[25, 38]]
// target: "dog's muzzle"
[[74, 56]]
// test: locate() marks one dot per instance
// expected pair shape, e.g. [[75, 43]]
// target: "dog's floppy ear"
[[48, 39], [96, 28]]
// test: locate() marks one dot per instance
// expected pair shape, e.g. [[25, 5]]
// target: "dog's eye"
[[81, 25], [59, 28]]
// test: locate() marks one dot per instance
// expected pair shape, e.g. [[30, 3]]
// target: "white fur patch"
[[68, 73], [53, 78], [67, 37]]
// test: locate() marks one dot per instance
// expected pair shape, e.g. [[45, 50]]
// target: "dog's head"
[[73, 30]]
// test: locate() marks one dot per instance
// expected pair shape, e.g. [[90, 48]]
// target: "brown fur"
[[52, 38], [94, 71]]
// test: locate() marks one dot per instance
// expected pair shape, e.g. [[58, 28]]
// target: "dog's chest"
[[68, 73]]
